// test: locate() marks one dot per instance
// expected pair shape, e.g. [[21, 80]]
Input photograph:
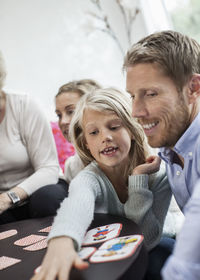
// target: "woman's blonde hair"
[[80, 86], [2, 71], [109, 99]]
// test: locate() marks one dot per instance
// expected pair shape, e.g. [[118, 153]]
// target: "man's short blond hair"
[[176, 54]]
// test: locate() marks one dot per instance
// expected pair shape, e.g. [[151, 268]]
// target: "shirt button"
[[190, 154], [178, 173]]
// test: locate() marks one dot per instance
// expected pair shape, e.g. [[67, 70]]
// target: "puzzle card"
[[86, 252], [37, 269], [46, 229], [117, 249], [28, 240], [102, 233], [37, 246], [7, 233], [7, 261]]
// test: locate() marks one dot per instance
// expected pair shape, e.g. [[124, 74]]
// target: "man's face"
[[162, 111]]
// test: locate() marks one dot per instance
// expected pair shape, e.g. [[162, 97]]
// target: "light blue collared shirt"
[[184, 263]]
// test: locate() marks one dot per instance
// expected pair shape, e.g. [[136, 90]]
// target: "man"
[[163, 79]]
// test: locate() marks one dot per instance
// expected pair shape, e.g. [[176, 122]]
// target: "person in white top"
[[65, 100], [28, 159], [120, 178]]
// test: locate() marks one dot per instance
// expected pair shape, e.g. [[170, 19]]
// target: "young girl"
[[118, 180]]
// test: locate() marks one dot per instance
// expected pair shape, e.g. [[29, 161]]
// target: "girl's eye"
[[93, 132], [114, 127], [59, 116]]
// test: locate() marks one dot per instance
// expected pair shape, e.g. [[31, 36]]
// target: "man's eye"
[[151, 94], [132, 97], [59, 116]]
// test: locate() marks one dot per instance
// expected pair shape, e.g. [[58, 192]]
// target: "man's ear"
[[194, 88]]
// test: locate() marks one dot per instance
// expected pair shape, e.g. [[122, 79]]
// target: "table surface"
[[133, 267]]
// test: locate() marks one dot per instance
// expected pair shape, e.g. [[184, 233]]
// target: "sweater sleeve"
[[37, 137], [77, 210], [148, 203]]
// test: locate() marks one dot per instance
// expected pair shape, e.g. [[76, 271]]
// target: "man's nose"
[[139, 109]]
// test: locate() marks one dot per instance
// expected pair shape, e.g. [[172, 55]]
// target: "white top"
[[91, 191], [73, 165], [28, 156]]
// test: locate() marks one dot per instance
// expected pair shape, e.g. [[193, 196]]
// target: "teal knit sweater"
[[92, 192]]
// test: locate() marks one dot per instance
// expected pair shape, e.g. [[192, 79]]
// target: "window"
[[185, 16]]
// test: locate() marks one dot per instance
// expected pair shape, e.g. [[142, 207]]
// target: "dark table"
[[132, 268]]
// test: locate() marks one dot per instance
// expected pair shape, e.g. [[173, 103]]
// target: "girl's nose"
[[107, 137]]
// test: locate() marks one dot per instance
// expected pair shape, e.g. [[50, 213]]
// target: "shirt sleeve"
[[37, 137], [77, 210], [185, 261], [148, 203], [73, 165]]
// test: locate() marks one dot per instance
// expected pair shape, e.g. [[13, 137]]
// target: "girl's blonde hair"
[[109, 99]]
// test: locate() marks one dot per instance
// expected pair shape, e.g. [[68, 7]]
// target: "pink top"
[[64, 148]]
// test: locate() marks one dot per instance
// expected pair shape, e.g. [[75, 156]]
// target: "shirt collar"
[[185, 144]]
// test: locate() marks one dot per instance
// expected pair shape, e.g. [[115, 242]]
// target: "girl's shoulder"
[[92, 172], [93, 167]]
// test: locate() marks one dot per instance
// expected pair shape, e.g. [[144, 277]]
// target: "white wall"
[[45, 44]]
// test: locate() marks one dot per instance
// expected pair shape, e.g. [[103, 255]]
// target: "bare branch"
[[128, 18]]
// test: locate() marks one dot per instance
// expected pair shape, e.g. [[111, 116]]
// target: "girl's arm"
[[59, 259], [72, 221], [148, 202]]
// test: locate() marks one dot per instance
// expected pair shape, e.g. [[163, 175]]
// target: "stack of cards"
[[114, 248], [37, 242], [31, 242]]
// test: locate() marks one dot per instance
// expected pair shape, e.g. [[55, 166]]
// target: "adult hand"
[[59, 260], [151, 165], [5, 202]]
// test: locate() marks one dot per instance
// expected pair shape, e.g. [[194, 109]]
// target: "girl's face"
[[107, 139], [65, 106]]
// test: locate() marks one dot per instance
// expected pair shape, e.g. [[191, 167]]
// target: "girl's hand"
[[59, 260], [152, 165]]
